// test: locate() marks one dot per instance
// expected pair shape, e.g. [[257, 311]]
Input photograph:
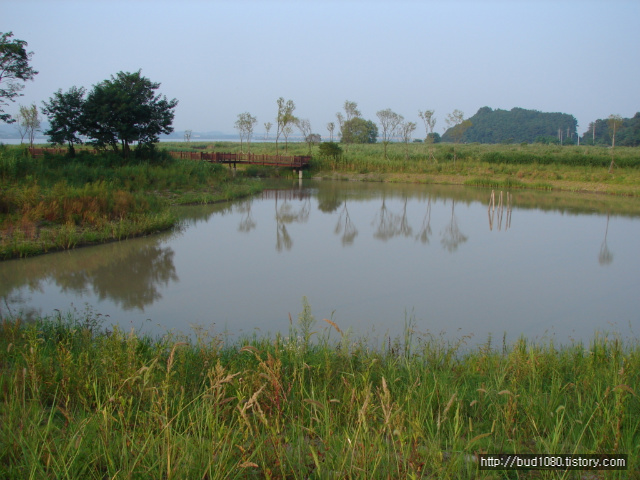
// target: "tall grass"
[[82, 401], [58, 202], [521, 166]]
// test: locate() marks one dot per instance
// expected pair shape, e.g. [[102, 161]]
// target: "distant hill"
[[627, 135], [518, 125]]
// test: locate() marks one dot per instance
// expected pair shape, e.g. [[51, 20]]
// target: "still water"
[[371, 257]]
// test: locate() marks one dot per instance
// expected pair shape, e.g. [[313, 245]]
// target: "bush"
[[330, 149]]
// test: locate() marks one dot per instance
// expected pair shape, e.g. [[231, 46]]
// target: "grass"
[[79, 400], [57, 202], [535, 166]]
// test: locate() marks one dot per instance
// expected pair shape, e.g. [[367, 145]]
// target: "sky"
[[222, 58]]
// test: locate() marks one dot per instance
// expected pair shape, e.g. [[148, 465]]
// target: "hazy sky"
[[222, 58]]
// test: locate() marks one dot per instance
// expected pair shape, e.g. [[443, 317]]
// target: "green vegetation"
[[601, 132], [550, 167], [516, 126], [359, 130], [60, 202], [80, 401], [14, 71], [116, 113]]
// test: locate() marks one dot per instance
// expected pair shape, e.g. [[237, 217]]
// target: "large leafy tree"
[[14, 70], [65, 117], [359, 130], [126, 109]]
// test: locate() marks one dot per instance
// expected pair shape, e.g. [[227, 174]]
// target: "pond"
[[373, 258]]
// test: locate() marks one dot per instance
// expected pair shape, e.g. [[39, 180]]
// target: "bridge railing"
[[247, 158]]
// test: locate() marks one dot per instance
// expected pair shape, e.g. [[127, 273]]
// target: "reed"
[[537, 166], [57, 202], [82, 400]]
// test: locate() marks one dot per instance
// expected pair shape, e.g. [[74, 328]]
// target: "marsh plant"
[[80, 399], [58, 202]]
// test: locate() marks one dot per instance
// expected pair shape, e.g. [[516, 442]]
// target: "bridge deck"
[[294, 161]]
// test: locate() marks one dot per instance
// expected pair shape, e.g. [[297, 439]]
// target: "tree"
[[457, 126], [433, 138], [406, 130], [340, 119], [331, 127], [125, 109], [429, 121], [20, 125], [14, 70], [29, 120], [313, 138], [614, 123], [351, 111], [286, 131], [267, 129], [330, 149], [64, 111], [187, 136], [517, 125], [359, 130], [284, 119], [304, 126], [245, 124], [389, 121]]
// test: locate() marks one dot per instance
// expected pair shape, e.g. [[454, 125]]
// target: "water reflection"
[[287, 213], [501, 209], [195, 273], [605, 257], [452, 237], [425, 230], [346, 227], [247, 223], [130, 274]]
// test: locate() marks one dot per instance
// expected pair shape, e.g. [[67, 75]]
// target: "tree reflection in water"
[[132, 282], [386, 223], [247, 223], [452, 237], [390, 224], [405, 229], [346, 227], [425, 230], [127, 273], [605, 257], [287, 214]]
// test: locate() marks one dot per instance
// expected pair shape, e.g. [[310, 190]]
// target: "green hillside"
[[627, 134], [518, 125]]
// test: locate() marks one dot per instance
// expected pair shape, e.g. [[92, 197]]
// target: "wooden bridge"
[[290, 161]]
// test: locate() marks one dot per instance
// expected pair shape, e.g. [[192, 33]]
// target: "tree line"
[[614, 130], [116, 113], [126, 110]]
